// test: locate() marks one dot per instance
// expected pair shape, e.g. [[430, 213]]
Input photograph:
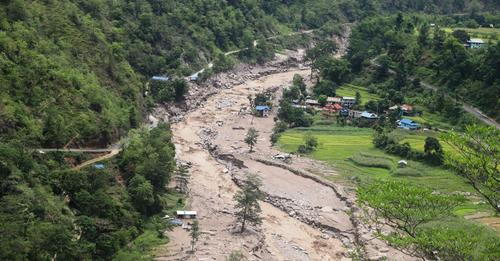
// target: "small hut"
[[186, 214], [262, 110], [402, 164]]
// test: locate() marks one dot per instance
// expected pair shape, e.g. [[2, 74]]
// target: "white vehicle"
[[282, 156]]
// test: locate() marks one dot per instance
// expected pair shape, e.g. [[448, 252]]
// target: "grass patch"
[[367, 160], [173, 201], [484, 33], [416, 139], [350, 90], [407, 172], [338, 146], [141, 247], [469, 208], [432, 120]]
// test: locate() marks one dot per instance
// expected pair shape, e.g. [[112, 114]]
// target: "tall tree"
[[335, 70], [141, 192], [181, 88], [410, 206], [251, 138], [182, 178], [298, 81], [406, 208], [358, 98], [399, 21], [477, 158], [321, 51], [433, 150], [247, 202], [423, 36], [195, 234], [461, 35]]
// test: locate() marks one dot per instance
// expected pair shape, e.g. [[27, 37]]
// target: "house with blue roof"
[[369, 115], [194, 77], [262, 110], [99, 166], [160, 78], [408, 124]]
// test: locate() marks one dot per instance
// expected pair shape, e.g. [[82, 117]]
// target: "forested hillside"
[[74, 72], [410, 46]]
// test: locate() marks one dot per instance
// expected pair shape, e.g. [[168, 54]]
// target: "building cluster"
[[343, 106], [331, 103]]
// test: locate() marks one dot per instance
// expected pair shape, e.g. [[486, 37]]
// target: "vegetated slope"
[[74, 71], [415, 49], [62, 77], [50, 213]]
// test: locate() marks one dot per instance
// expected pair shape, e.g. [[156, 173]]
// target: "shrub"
[[310, 144], [303, 149], [367, 160], [410, 209], [278, 129], [403, 150], [459, 240]]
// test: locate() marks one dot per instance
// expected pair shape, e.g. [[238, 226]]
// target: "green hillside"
[[74, 72]]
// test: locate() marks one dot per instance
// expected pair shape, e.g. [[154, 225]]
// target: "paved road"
[[467, 107]]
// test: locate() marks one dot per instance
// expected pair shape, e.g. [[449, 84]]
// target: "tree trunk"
[[243, 225]]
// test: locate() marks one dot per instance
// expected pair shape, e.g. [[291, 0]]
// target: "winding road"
[[255, 43], [114, 149], [465, 106]]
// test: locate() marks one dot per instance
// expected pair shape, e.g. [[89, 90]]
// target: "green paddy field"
[[350, 151]]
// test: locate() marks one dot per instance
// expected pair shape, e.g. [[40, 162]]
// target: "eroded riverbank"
[[303, 219]]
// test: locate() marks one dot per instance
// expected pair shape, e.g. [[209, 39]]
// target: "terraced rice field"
[[338, 144], [487, 34], [350, 91]]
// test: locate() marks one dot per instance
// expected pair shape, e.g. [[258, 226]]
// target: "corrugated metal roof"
[[186, 212], [369, 115], [160, 78], [407, 121], [311, 101], [99, 166], [476, 40], [334, 99], [262, 108]]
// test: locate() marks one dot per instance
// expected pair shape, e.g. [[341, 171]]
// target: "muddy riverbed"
[[303, 219]]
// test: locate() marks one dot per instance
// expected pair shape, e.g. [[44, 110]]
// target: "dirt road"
[[111, 154]]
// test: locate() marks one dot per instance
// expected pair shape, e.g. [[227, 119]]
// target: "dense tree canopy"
[[432, 54], [75, 73]]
